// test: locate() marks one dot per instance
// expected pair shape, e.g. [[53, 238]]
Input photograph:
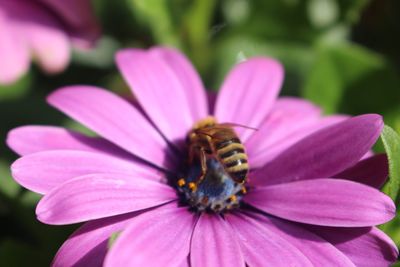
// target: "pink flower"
[[311, 200], [44, 30]]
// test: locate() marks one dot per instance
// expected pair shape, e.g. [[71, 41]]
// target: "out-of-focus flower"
[[312, 199], [43, 30]]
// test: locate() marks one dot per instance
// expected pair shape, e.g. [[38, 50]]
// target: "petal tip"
[[268, 62], [63, 92], [374, 119], [53, 96], [11, 138], [45, 215], [126, 54], [15, 170]]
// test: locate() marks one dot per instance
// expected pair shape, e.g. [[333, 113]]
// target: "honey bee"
[[209, 139]]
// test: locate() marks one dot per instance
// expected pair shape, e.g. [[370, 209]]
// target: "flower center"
[[217, 168]]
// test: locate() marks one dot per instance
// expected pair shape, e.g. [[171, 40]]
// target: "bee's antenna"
[[232, 124]]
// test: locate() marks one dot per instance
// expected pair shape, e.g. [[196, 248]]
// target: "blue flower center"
[[217, 192]]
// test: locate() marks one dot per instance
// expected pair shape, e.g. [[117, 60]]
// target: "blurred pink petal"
[[43, 30], [50, 48], [14, 52], [43, 33], [214, 244], [78, 16]]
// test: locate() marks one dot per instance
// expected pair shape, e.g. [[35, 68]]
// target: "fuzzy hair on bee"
[[217, 167], [218, 140]]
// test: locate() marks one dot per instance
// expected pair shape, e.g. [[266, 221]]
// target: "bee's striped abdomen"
[[232, 155]]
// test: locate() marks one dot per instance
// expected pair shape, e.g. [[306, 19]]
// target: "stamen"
[[233, 198], [192, 187], [181, 182], [216, 192]]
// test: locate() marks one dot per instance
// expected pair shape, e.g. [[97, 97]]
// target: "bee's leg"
[[203, 164]]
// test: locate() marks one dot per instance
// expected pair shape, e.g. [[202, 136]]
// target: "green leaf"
[[391, 141], [102, 56], [30, 199], [196, 29], [16, 90], [352, 10], [323, 13], [156, 15], [76, 126], [296, 58], [16, 253], [112, 239], [350, 79], [8, 186]]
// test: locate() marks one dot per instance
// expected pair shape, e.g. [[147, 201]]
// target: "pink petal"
[[88, 245], [287, 117], [367, 247], [316, 249], [97, 196], [211, 99], [324, 153], [330, 202], [248, 93], [214, 243], [43, 33], [274, 149], [49, 45], [43, 171], [263, 247], [159, 91], [114, 119], [371, 171], [26, 140], [185, 263], [158, 237], [14, 53], [78, 16], [188, 77]]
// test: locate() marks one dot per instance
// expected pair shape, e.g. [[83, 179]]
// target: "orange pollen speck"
[[192, 186], [181, 182]]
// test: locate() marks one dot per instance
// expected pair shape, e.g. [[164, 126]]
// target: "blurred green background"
[[341, 54]]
